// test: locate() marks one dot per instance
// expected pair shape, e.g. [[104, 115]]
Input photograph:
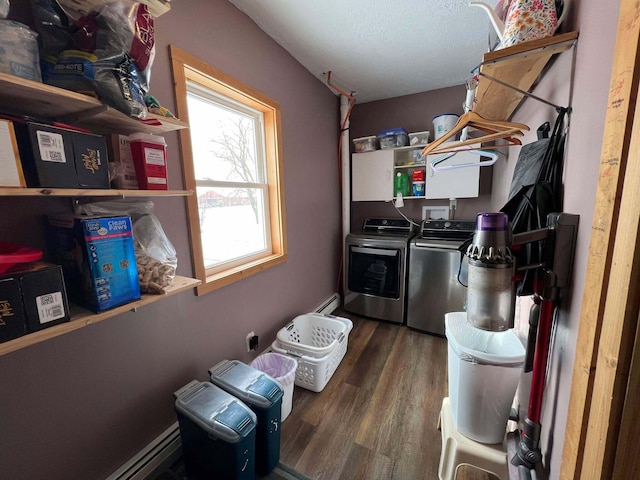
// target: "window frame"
[[186, 67]]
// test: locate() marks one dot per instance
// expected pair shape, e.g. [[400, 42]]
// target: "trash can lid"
[[247, 383], [217, 412], [493, 348]]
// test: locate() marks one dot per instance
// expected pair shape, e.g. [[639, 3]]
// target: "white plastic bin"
[[283, 370], [443, 123], [484, 369]]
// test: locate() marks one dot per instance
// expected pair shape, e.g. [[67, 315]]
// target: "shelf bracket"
[[558, 108]]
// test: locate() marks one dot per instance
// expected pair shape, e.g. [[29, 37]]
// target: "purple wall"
[[78, 406]]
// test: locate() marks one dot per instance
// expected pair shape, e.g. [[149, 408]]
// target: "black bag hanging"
[[529, 204]]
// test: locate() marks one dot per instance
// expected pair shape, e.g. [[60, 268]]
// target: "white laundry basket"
[[484, 369], [319, 343]]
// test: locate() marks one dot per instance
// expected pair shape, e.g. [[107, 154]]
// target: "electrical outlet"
[[249, 337]]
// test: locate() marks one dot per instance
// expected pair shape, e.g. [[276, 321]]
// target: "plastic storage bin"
[[264, 396], [443, 123], [365, 144], [316, 364], [484, 370], [218, 433], [282, 369], [393, 138], [19, 51], [419, 138]]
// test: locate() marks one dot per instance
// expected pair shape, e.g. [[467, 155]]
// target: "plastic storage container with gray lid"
[[218, 433], [484, 370], [263, 395]]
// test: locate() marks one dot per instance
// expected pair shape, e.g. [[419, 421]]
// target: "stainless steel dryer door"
[[433, 288]]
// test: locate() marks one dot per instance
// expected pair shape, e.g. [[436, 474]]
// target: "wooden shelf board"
[[81, 317], [22, 97], [89, 192], [520, 66], [156, 7]]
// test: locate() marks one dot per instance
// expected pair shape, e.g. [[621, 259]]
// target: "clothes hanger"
[[436, 167], [494, 130]]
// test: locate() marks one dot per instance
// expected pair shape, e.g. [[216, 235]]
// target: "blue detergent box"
[[98, 259]]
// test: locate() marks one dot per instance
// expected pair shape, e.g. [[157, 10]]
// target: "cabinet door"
[[372, 176], [456, 183]]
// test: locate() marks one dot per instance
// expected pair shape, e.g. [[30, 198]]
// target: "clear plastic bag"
[[155, 255]]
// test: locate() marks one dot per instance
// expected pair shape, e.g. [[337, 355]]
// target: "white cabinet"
[[372, 175], [455, 183]]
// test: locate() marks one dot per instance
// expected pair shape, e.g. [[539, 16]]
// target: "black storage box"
[[38, 297], [56, 157], [13, 320]]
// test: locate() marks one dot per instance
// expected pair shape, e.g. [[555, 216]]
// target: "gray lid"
[[247, 383], [218, 413]]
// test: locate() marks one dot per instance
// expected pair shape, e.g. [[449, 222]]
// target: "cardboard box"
[[98, 259], [32, 297], [56, 157], [123, 174], [10, 167]]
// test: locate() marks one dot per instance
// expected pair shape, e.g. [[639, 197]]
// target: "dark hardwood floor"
[[377, 417]]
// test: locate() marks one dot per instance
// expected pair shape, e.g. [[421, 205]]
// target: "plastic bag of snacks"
[[112, 52], [155, 255]]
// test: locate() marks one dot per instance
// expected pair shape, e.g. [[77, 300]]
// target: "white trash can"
[[484, 369], [282, 369]]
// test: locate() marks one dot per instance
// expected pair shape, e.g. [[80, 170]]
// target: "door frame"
[[606, 374]]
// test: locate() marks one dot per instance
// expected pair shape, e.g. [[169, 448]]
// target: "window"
[[232, 161]]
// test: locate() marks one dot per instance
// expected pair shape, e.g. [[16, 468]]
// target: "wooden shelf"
[[88, 192], [156, 7], [81, 317], [22, 97], [519, 66]]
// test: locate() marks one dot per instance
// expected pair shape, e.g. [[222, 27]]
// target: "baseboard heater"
[[329, 305], [162, 452], [159, 455]]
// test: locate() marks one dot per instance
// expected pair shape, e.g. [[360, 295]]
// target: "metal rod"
[[523, 92]]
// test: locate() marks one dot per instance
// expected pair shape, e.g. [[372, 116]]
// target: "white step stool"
[[459, 450]]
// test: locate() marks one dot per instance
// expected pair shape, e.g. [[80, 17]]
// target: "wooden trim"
[[606, 249], [627, 461], [187, 67], [214, 282], [620, 317], [195, 235]]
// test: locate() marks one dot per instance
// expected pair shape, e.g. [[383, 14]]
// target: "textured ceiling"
[[378, 48]]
